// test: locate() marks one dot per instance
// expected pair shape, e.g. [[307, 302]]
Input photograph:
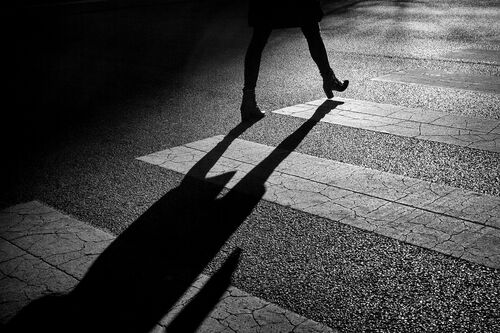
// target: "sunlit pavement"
[[44, 252], [385, 216]]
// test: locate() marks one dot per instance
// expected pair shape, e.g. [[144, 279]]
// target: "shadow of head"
[[140, 276]]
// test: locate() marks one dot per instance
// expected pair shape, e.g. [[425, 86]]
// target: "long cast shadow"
[[144, 272]]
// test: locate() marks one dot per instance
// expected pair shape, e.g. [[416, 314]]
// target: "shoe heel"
[[345, 85]]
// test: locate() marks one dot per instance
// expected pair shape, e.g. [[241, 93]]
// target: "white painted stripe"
[[475, 55], [488, 84], [238, 311], [31, 270], [461, 223], [463, 131]]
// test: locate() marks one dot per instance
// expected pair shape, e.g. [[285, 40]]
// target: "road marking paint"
[[453, 221], [483, 134], [481, 55], [489, 84], [44, 251]]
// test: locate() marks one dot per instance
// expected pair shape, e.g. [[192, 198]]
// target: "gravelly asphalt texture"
[[96, 90], [359, 281]]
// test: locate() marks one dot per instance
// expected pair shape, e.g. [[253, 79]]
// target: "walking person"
[[266, 15]]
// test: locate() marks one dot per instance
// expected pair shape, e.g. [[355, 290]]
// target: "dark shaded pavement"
[[91, 92], [134, 283]]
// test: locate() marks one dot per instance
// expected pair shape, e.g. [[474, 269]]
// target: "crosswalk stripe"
[[481, 83], [435, 126], [453, 221], [475, 55], [44, 251]]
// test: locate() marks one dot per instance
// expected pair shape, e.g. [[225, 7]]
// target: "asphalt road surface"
[[93, 88]]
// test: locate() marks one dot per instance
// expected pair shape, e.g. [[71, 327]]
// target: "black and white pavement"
[[378, 210]]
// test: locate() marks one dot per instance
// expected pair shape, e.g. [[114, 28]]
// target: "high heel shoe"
[[330, 82], [249, 109]]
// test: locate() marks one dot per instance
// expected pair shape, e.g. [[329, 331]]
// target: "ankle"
[[249, 91], [327, 73]]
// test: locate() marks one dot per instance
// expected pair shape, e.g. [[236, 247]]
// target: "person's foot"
[[330, 83], [249, 109]]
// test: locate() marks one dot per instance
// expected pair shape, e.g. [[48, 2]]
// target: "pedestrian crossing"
[[49, 252], [346, 232], [453, 221], [45, 252], [488, 84], [403, 121], [460, 223]]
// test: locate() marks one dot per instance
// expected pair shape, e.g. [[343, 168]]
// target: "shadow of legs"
[[143, 273], [192, 315]]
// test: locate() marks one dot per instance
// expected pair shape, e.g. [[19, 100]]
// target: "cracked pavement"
[[483, 134], [460, 223], [443, 79], [111, 91], [44, 252]]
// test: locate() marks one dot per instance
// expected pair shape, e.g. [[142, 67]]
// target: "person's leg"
[[249, 108], [253, 56], [316, 46], [320, 57]]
